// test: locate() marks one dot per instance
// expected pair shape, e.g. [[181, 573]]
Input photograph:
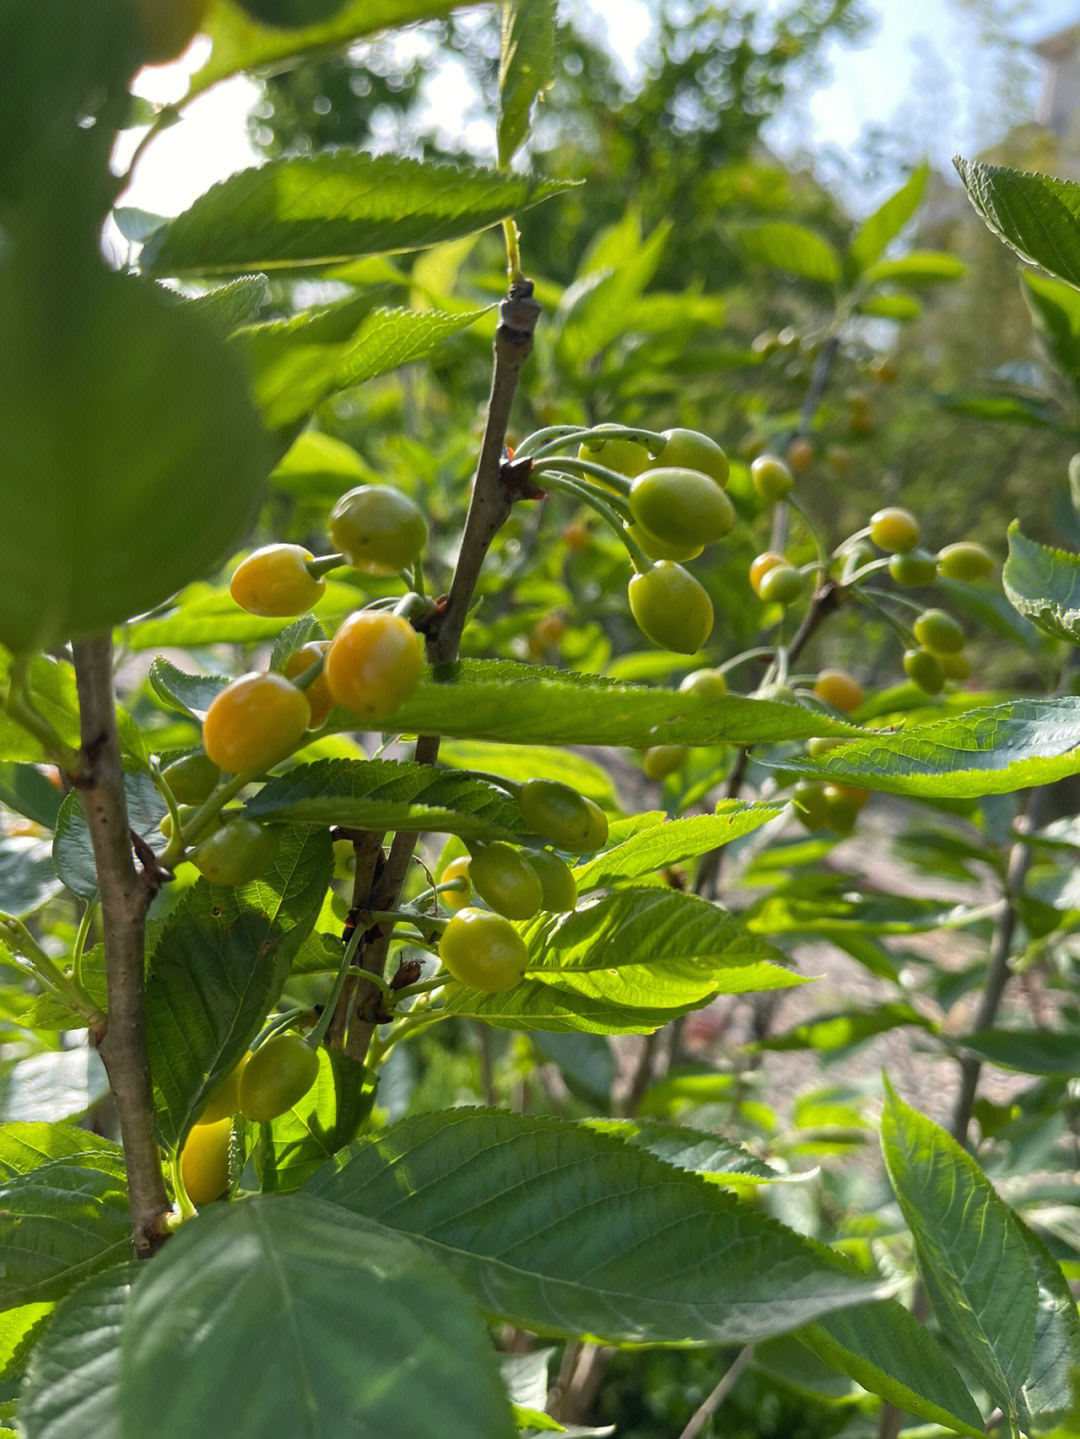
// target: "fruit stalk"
[[126, 893]]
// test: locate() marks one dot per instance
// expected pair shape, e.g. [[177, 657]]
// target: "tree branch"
[[126, 894], [489, 507]]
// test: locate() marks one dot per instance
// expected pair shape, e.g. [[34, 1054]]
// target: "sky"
[[917, 71]]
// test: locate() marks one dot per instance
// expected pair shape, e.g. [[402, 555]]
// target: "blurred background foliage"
[[658, 314]]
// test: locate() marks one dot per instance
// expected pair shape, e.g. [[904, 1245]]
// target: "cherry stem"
[[318, 1034], [49, 975], [650, 440], [761, 652], [161, 784], [323, 564], [306, 678], [425, 986], [586, 468], [890, 619], [586, 493]]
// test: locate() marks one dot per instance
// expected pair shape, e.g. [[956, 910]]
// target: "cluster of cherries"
[[370, 667], [480, 947]]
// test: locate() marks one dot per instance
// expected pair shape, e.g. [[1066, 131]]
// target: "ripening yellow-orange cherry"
[[204, 1161], [275, 581], [373, 664], [895, 530], [839, 689], [457, 869], [761, 566], [255, 721], [319, 698]]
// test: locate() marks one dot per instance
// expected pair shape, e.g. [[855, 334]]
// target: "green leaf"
[[532, 1005], [888, 220], [27, 876], [526, 69], [135, 224], [519, 763], [1028, 1051], [902, 308], [1043, 585], [296, 364], [63, 1210], [883, 1348], [300, 1141], [694, 1150], [586, 1063], [219, 963], [529, 704], [139, 428], [298, 634], [20, 1332], [996, 750], [673, 842], [27, 791], [1055, 311], [595, 311], [627, 962], [972, 1256], [52, 691], [389, 794], [917, 270], [189, 694], [74, 1377], [241, 43], [653, 948], [792, 248], [73, 850], [319, 468], [229, 305], [25, 1147], [831, 913], [299, 211], [987, 605], [1034, 214], [46, 1011], [356, 1331], [1024, 410], [1049, 1389], [849, 1027], [564, 1231]]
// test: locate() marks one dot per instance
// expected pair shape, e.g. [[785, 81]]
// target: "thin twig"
[[126, 894], [583, 1384], [708, 1406], [998, 971]]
